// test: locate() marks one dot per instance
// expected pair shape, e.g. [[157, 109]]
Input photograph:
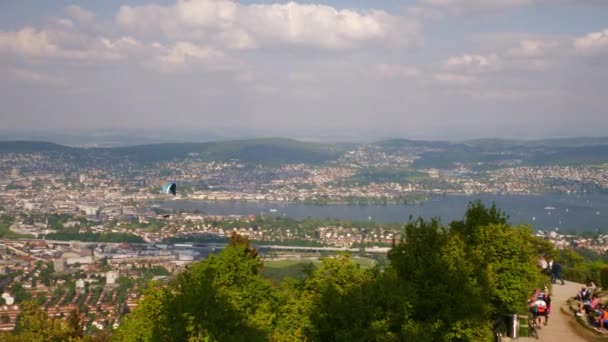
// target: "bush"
[[604, 277]]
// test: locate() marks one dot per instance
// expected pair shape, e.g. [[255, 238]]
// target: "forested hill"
[[270, 150], [427, 154], [23, 146]]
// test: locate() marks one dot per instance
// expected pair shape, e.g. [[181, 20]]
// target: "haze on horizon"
[[423, 69]]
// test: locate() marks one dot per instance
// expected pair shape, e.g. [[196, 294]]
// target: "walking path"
[[561, 326]]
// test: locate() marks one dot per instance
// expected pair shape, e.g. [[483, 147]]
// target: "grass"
[[7, 233], [277, 270]]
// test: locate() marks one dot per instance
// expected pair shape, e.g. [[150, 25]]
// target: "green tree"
[[219, 299], [34, 325], [447, 303]]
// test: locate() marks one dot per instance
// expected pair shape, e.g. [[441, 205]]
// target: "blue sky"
[[432, 69]]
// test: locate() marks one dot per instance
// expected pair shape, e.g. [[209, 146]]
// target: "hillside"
[[268, 150], [482, 153]]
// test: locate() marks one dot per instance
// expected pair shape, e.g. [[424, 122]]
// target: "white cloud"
[[184, 55], [28, 42], [80, 14], [43, 44], [236, 25], [592, 43], [533, 48], [473, 63], [389, 71], [183, 51], [452, 79]]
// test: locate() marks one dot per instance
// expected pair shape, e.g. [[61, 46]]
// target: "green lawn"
[[277, 270]]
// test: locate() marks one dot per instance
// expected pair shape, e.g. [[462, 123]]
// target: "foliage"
[[366, 176], [5, 232], [443, 283], [219, 299], [33, 324], [604, 277], [95, 237]]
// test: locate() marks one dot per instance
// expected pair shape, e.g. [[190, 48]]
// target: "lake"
[[545, 212]]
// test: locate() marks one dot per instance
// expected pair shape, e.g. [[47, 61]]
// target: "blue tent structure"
[[169, 188]]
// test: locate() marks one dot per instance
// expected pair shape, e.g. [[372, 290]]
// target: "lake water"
[[546, 212]]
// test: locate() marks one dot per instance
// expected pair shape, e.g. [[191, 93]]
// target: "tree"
[[221, 298], [74, 324], [33, 325], [19, 293], [431, 264]]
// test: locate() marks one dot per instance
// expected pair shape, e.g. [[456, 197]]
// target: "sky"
[[419, 69]]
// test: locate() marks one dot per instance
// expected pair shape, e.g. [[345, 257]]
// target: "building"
[[80, 288], [60, 265], [8, 299], [111, 277]]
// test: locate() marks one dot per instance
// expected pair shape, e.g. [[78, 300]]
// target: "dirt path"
[[560, 328]]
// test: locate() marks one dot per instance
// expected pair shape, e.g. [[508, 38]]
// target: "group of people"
[[551, 268], [539, 305], [591, 306]]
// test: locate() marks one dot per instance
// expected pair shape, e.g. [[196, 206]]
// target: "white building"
[[59, 265], [8, 299], [111, 277], [81, 260]]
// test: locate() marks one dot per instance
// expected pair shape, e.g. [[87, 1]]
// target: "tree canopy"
[[442, 283]]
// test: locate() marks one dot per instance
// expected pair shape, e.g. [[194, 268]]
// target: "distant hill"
[[558, 142], [482, 153], [586, 155], [267, 150], [31, 146], [402, 143]]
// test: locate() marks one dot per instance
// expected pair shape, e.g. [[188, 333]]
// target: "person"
[[547, 299], [556, 273], [584, 294], [602, 318], [542, 263], [538, 309], [590, 305]]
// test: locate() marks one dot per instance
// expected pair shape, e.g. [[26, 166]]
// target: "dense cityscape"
[[88, 236]]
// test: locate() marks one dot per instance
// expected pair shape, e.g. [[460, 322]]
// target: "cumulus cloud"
[[533, 48], [473, 63], [184, 55], [592, 43], [183, 51], [236, 25], [33, 43], [28, 42], [80, 14]]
